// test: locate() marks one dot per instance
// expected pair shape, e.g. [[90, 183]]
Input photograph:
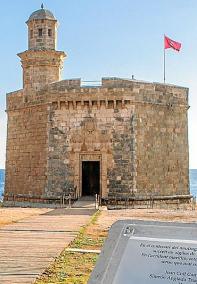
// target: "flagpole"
[[169, 43], [164, 64]]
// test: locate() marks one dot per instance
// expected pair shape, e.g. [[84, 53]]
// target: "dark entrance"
[[90, 178]]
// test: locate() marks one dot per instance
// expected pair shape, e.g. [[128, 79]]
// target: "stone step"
[[83, 203]]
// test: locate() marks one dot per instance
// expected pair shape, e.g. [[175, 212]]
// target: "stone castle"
[[121, 139]]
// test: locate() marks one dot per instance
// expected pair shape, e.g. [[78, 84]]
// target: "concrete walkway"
[[85, 202], [30, 245]]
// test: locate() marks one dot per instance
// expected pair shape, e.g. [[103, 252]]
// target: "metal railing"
[[151, 202], [97, 201], [66, 201]]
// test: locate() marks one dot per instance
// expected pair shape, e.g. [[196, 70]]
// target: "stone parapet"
[[70, 92]]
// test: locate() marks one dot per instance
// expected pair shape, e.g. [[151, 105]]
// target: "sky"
[[103, 38]]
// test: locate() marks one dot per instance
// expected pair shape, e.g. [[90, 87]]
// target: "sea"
[[193, 181], [192, 172], [2, 182]]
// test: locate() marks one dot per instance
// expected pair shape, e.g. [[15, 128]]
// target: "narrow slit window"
[[31, 34], [40, 32], [49, 32]]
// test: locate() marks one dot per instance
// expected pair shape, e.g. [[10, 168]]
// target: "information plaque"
[[138, 252]]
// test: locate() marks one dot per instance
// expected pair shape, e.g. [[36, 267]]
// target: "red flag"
[[169, 43]]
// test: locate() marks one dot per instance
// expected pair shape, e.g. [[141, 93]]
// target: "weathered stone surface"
[[137, 130]]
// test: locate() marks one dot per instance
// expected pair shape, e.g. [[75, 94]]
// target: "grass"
[[70, 268], [73, 267]]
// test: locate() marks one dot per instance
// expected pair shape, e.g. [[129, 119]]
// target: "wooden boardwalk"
[[30, 245]]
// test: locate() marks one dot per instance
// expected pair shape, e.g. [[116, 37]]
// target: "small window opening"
[[49, 32], [31, 33], [40, 32]]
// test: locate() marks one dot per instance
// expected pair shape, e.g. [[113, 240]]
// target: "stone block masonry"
[[134, 132], [138, 133], [27, 152]]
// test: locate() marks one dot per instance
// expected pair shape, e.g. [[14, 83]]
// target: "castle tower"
[[41, 63], [126, 140]]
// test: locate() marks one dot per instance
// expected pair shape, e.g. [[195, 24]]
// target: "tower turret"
[[42, 30], [41, 63]]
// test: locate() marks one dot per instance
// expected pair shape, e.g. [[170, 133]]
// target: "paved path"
[[30, 245], [88, 203]]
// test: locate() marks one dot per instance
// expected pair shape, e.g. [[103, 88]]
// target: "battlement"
[[111, 86], [114, 82], [111, 93]]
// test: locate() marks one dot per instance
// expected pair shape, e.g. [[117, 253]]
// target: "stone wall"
[[83, 133], [137, 130], [140, 119], [162, 152], [26, 157]]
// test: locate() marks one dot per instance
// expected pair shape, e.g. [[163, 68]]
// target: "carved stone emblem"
[[89, 137], [89, 125]]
